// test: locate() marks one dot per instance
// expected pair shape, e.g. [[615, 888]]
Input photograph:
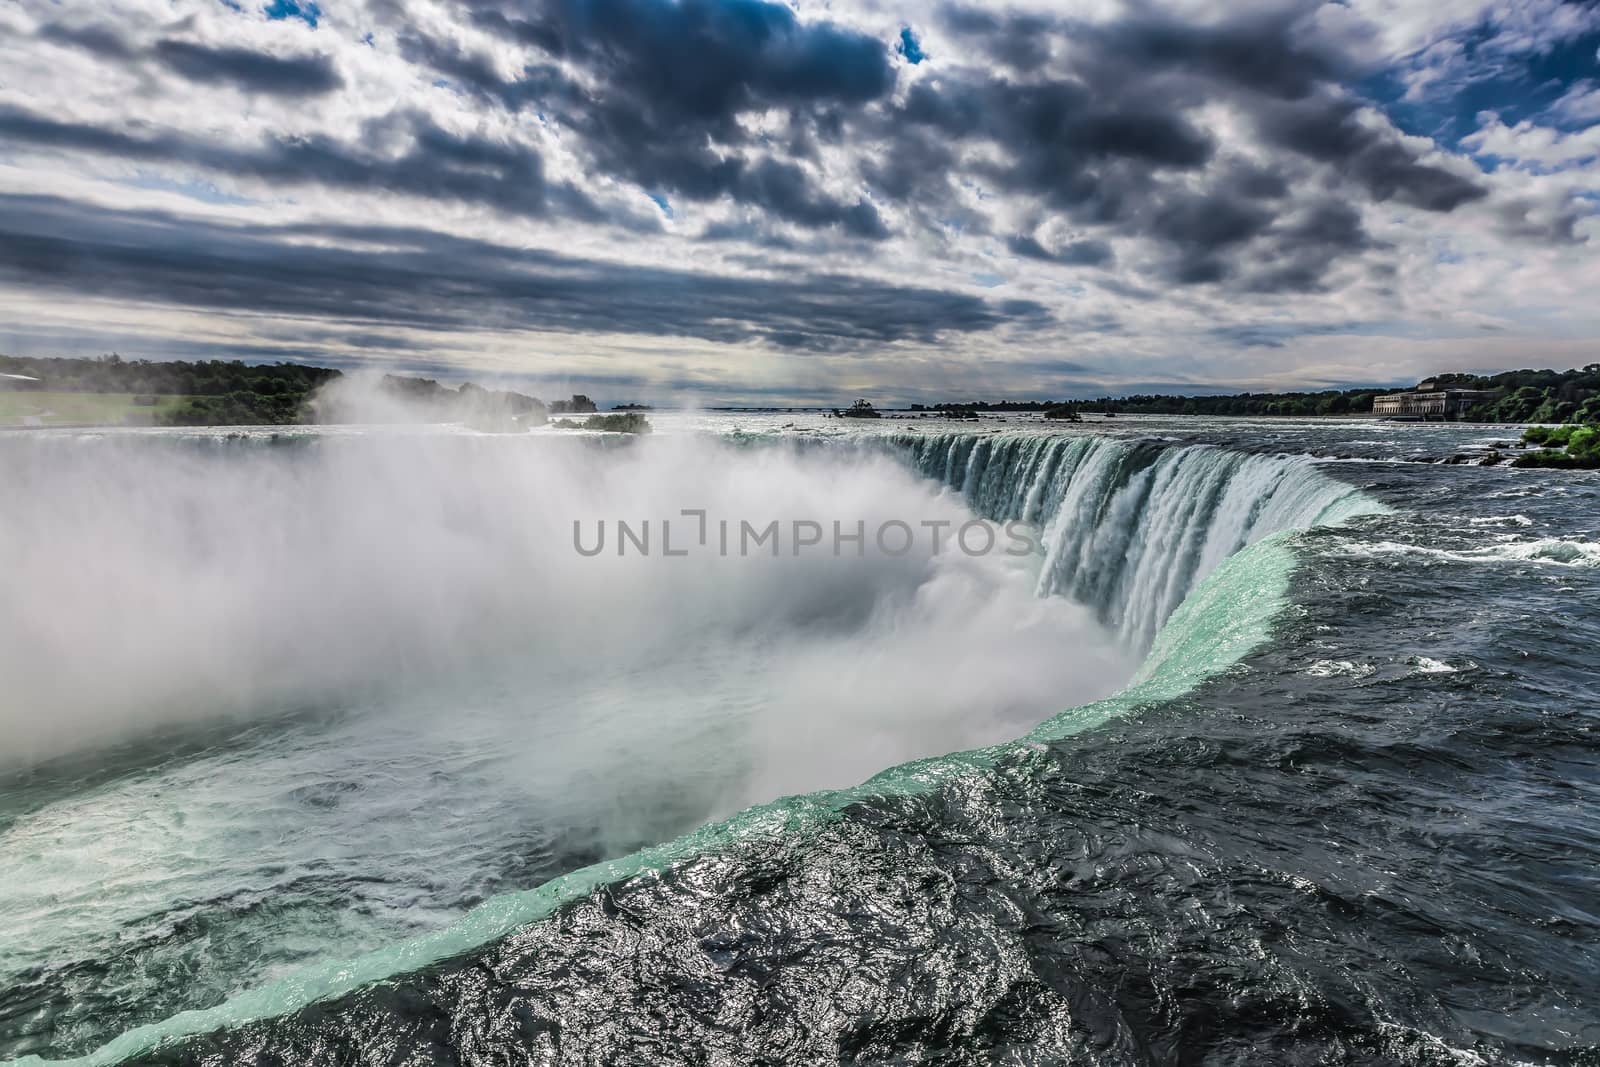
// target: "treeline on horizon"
[[1534, 395], [228, 392], [219, 392], [1329, 402], [1544, 396]]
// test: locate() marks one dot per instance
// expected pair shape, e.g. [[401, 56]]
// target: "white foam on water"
[[1428, 665], [599, 688], [1555, 551], [1328, 668]]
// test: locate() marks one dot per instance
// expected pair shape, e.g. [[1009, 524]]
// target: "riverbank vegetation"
[[1568, 447], [1326, 402], [1548, 396], [861, 409], [112, 391], [621, 422], [115, 391], [1570, 396]]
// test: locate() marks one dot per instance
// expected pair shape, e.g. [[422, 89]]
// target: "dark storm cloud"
[[1105, 159], [1264, 52], [1078, 253], [241, 68], [1051, 120], [1054, 129], [1278, 336], [249, 70], [1328, 227], [1288, 253], [430, 162], [1021, 41], [783, 189], [1254, 181], [1085, 156], [1331, 132], [425, 280], [1204, 230], [705, 59], [475, 72], [916, 165], [1297, 253], [98, 40], [1094, 122], [1260, 52], [666, 83], [1209, 223]]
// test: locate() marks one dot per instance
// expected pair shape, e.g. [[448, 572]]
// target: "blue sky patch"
[[304, 10], [910, 47], [1517, 87]]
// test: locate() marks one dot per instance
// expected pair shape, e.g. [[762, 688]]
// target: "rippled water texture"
[[1346, 811]]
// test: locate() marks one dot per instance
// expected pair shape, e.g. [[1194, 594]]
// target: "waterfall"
[[1129, 527], [1135, 531]]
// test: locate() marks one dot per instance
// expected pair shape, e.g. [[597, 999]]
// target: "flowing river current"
[[1243, 741]]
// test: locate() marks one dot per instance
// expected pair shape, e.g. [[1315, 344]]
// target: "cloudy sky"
[[749, 201]]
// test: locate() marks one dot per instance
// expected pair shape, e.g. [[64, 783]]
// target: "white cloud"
[[1580, 103], [1530, 145], [1456, 276]]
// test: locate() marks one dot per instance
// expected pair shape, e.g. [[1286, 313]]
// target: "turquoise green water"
[[1228, 615]]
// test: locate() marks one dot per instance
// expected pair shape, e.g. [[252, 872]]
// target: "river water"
[[328, 746]]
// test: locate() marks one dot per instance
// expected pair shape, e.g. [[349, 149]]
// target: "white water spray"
[[1131, 527], [500, 698]]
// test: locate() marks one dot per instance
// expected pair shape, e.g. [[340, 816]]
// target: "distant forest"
[[1534, 395], [1331, 402], [1525, 396], [220, 392]]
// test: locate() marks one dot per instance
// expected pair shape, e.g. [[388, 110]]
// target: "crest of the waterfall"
[[1130, 527], [549, 697], [211, 578]]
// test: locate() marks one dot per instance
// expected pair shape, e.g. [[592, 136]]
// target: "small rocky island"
[[861, 409], [621, 422]]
